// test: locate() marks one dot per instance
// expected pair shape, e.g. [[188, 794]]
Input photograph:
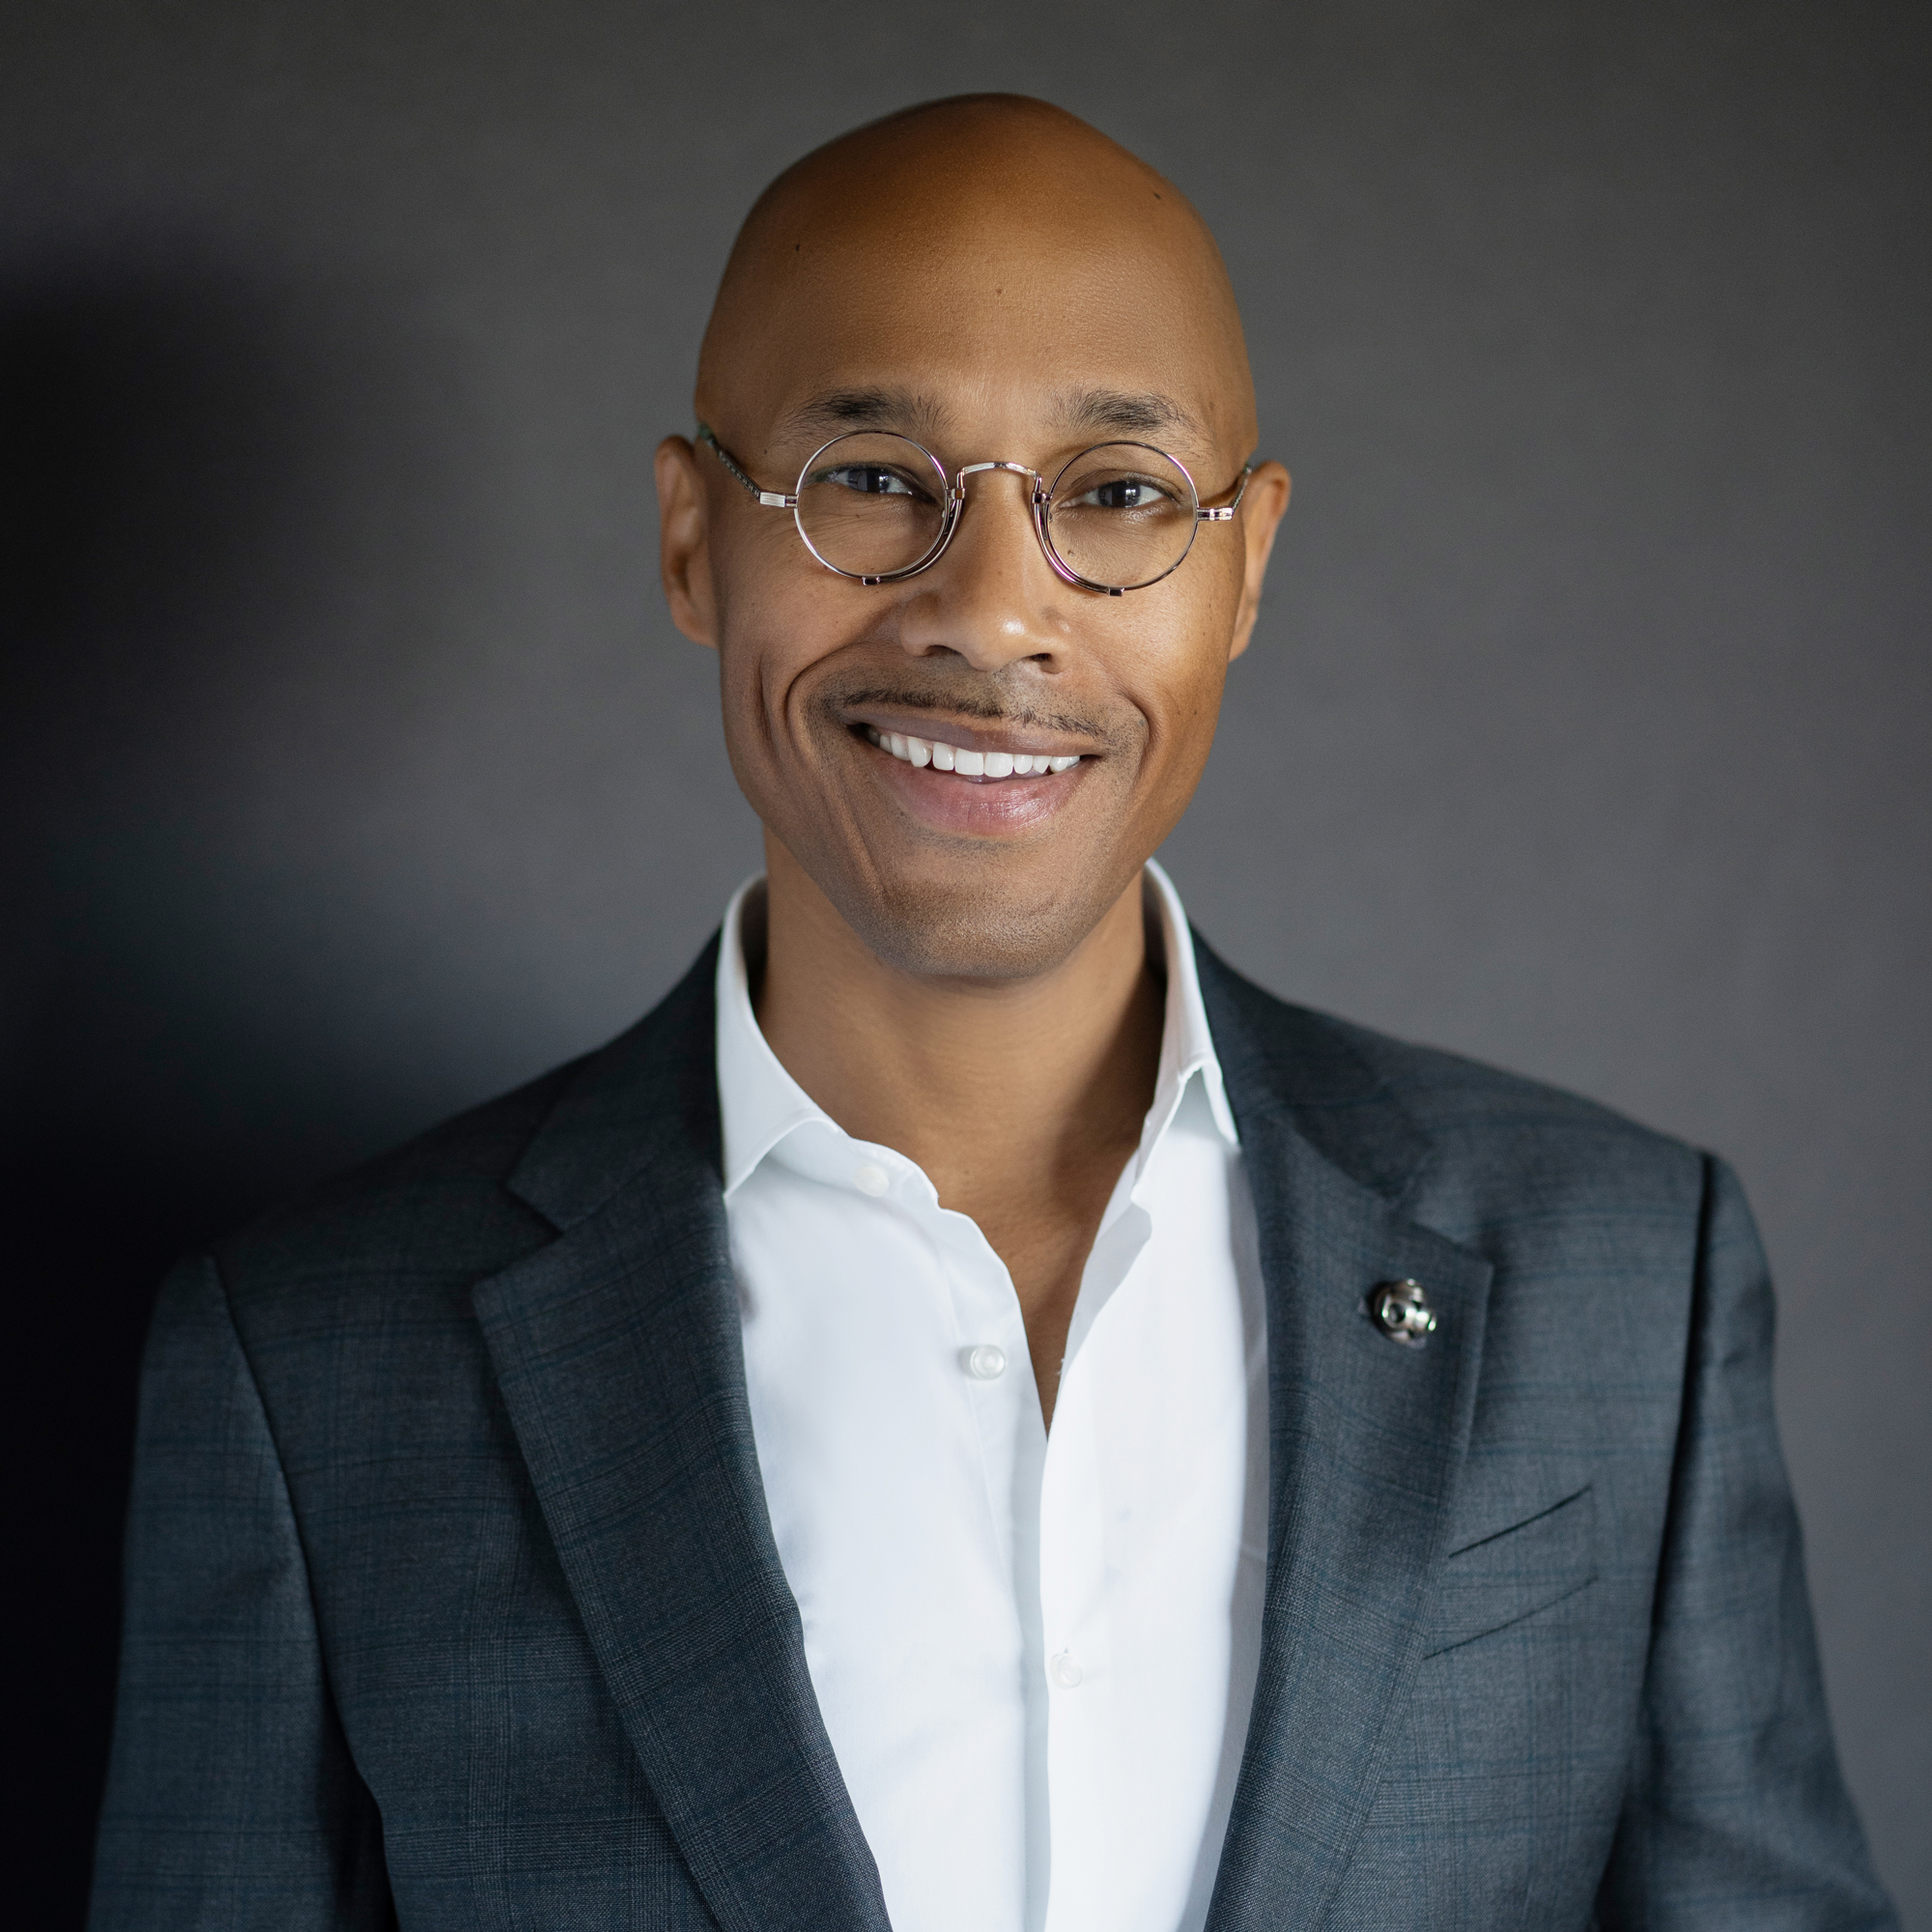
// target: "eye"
[[1125, 492], [869, 479]]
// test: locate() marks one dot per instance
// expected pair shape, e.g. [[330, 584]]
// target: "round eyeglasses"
[[878, 507]]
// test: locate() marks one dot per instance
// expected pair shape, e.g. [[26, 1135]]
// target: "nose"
[[992, 598]]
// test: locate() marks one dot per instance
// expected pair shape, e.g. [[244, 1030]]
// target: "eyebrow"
[[844, 411], [1098, 409]]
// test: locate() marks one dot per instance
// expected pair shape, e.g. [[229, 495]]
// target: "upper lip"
[[969, 737]]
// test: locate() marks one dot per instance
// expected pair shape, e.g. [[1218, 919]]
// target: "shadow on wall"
[[187, 465]]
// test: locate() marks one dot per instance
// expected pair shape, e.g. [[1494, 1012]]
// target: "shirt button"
[[985, 1363], [1064, 1669], [870, 1179]]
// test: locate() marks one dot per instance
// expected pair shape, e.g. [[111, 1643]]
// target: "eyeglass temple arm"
[[1221, 513], [772, 499]]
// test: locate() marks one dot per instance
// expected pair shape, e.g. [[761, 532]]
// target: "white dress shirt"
[[1034, 1652]]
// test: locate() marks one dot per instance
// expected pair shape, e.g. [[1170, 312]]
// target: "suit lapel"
[[618, 1354], [1366, 1441]]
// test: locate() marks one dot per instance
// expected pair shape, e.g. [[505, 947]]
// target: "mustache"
[[988, 706]]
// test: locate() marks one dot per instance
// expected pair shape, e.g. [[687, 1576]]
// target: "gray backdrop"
[[353, 770]]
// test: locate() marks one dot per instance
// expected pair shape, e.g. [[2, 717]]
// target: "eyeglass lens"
[[874, 504], [1121, 515]]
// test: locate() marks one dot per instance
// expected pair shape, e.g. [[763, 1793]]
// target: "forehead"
[[1049, 311]]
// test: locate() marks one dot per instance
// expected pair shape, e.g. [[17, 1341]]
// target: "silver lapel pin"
[[1402, 1312]]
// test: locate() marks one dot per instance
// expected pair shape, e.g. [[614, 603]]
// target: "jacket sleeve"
[[232, 1801], [1736, 1816]]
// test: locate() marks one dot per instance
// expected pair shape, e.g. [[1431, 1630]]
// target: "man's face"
[[999, 331]]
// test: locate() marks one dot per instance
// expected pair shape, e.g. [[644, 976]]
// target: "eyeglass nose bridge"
[[1017, 468], [1036, 497]]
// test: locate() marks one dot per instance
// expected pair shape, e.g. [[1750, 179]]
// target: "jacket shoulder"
[[1470, 1129], [483, 1191], [436, 1206]]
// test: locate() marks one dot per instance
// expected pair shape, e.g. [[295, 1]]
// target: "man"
[[970, 1415]]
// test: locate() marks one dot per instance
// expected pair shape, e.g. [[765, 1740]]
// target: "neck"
[[1020, 1099]]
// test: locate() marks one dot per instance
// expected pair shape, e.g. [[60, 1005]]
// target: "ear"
[[1259, 518], [684, 542]]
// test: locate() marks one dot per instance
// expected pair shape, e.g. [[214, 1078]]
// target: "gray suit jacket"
[[452, 1600]]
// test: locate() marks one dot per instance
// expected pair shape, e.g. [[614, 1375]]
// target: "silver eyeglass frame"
[[1040, 502]]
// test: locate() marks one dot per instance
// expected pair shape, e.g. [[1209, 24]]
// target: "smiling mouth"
[[964, 761]]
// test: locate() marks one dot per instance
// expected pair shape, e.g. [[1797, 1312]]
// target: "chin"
[[969, 931]]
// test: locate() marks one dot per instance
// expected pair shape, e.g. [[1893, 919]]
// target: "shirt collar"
[[1186, 1045], [760, 1104]]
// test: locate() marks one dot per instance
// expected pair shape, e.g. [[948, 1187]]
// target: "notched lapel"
[[618, 1354], [1366, 1441]]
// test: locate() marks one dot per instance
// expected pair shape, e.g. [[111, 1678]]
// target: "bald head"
[[979, 236]]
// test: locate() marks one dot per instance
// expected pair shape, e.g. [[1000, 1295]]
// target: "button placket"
[[988, 1361], [1072, 1551]]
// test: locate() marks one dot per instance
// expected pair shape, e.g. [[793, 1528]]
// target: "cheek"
[[779, 624], [770, 620], [754, 569], [1175, 672]]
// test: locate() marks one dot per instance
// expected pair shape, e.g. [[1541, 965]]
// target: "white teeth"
[[944, 757]]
